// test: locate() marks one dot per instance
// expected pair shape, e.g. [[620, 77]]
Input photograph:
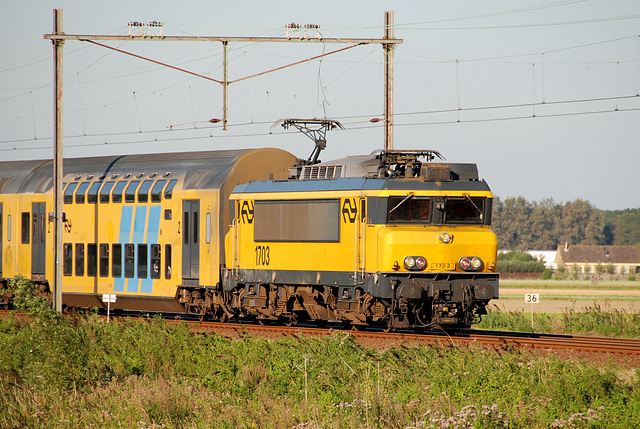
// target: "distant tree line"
[[523, 225]]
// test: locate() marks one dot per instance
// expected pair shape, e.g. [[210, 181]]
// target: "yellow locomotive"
[[392, 239]]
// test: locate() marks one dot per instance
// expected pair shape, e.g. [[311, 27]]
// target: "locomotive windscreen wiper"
[[402, 202], [468, 198]]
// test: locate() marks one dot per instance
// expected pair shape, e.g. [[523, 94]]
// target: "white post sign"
[[109, 298], [532, 298]]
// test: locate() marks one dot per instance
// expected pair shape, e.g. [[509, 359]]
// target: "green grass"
[[149, 374], [569, 284], [592, 321]]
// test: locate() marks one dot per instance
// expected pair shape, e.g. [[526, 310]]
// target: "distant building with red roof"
[[587, 260]]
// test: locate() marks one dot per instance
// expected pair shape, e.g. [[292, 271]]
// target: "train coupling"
[[445, 314]]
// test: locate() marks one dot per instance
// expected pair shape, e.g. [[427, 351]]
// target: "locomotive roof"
[[204, 170], [358, 184]]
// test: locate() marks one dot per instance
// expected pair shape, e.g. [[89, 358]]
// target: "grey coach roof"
[[211, 169]]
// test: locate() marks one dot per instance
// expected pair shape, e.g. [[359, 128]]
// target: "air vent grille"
[[314, 172]]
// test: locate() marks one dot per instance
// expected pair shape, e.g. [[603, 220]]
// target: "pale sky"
[[542, 95]]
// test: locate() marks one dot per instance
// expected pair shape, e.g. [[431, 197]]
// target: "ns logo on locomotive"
[[392, 239]]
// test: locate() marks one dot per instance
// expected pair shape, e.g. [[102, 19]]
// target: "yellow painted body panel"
[[394, 243], [362, 246]]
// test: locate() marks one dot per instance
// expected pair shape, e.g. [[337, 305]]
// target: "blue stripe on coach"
[[125, 233], [153, 228]]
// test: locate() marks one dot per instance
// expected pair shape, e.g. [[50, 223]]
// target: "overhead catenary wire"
[[369, 124]]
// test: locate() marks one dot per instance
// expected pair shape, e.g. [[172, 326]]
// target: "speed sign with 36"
[[531, 298]]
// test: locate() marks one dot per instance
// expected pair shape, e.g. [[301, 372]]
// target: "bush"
[[519, 262], [27, 298]]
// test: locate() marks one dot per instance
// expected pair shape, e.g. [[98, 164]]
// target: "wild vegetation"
[[593, 321], [519, 262], [524, 225], [84, 372]]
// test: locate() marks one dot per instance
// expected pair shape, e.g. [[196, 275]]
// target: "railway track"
[[464, 337], [628, 346]]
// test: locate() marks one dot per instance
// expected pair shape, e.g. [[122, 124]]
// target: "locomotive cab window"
[[409, 209], [464, 210]]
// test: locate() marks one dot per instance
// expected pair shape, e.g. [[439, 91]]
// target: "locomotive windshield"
[[437, 210]]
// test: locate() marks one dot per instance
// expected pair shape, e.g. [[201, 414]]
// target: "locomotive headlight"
[[445, 238], [409, 262], [476, 263], [415, 263], [470, 263]]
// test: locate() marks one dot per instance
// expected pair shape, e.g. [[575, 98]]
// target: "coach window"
[[26, 227], [155, 261], [117, 192], [92, 259], [129, 260], [208, 228], [156, 192], [104, 193], [167, 261], [104, 260], [67, 259], [116, 260], [168, 193], [143, 261], [143, 193], [68, 193], [130, 193], [79, 259], [82, 189], [92, 196]]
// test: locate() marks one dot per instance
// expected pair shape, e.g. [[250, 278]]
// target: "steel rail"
[[503, 339]]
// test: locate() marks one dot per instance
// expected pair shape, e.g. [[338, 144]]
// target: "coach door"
[[39, 238], [190, 241]]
